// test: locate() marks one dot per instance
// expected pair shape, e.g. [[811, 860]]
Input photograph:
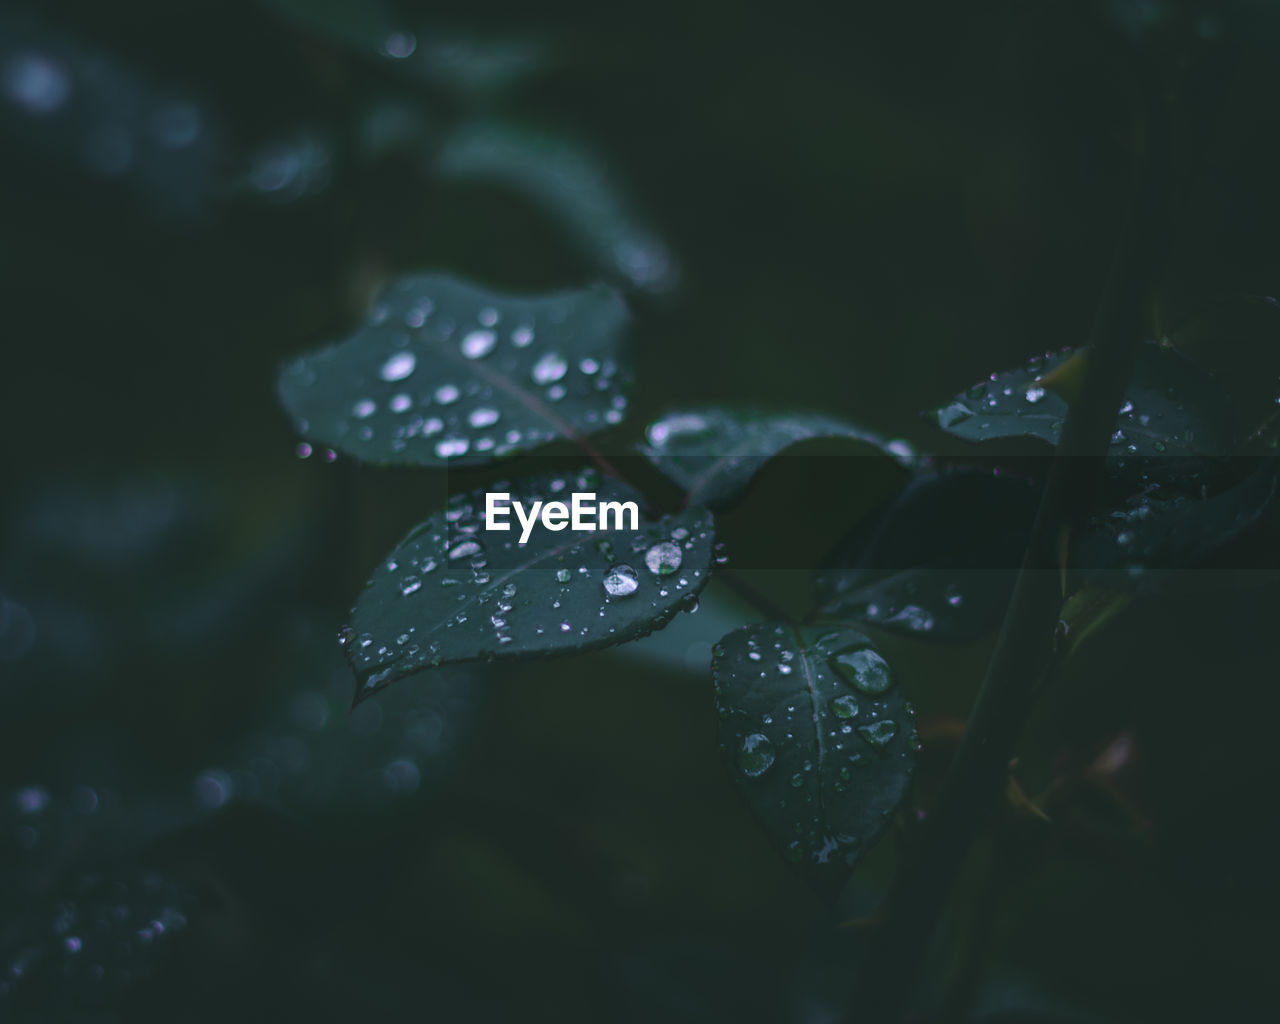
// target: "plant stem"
[[1024, 649]]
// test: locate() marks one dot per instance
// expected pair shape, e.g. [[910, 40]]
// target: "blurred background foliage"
[[854, 211]]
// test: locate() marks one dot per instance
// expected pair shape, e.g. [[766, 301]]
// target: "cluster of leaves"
[[813, 723]]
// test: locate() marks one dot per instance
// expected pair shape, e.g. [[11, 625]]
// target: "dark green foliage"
[[819, 737], [1172, 408], [939, 562], [842, 216], [452, 591], [443, 372], [714, 454]]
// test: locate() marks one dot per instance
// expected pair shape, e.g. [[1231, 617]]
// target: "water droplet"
[[398, 367], [663, 558], [565, 626], [483, 417], [797, 780], [844, 706], [950, 415], [36, 83], [399, 45], [863, 667], [621, 581], [954, 597], [549, 369], [1034, 394], [400, 403], [465, 547], [409, 585], [563, 575], [681, 427], [755, 755], [364, 408], [447, 394], [478, 344], [452, 447], [522, 337], [878, 734]]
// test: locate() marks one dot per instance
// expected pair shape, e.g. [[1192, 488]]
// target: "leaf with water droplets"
[[1171, 406], [939, 561], [714, 454], [443, 372], [819, 737], [453, 590], [1169, 527]]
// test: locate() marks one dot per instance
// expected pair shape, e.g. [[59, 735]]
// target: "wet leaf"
[[819, 737], [573, 187], [1171, 407], [939, 561], [453, 591], [1168, 528], [714, 454], [443, 372]]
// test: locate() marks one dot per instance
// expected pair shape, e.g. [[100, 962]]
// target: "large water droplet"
[[549, 369], [621, 581], [956, 412], [563, 575], [878, 734], [478, 344], [755, 755], [483, 417], [399, 366], [863, 667], [844, 706], [663, 558], [1034, 394]]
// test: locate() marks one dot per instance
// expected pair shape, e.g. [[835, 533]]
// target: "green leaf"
[[443, 372], [1171, 407], [714, 454], [819, 737], [452, 591], [1167, 528], [939, 561]]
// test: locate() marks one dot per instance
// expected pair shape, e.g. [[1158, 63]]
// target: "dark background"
[[870, 209]]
